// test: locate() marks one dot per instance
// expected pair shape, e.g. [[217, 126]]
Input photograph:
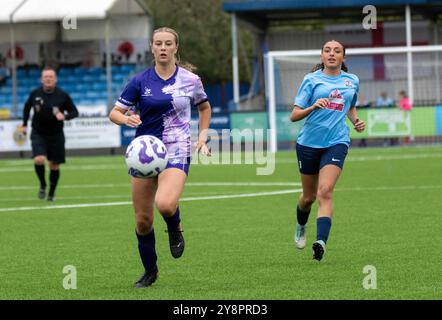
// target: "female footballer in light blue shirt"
[[325, 97]]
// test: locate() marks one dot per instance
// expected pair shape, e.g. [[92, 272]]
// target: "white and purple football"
[[146, 157]]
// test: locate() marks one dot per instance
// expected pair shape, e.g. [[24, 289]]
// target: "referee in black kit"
[[51, 107]]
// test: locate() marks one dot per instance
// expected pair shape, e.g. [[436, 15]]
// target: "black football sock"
[[302, 216], [146, 248], [53, 180], [173, 221], [40, 171]]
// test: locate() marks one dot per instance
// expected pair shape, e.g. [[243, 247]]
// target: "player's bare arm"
[[299, 113], [118, 116], [359, 125], [204, 111]]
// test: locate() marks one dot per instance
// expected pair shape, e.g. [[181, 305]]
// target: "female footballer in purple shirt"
[[163, 96]]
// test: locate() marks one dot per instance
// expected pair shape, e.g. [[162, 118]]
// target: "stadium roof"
[[55, 10], [251, 5], [263, 13]]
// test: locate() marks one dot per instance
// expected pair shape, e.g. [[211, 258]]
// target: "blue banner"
[[127, 135]]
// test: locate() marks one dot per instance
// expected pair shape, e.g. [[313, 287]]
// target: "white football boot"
[[300, 236]]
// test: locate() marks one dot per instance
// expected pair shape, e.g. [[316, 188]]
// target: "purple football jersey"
[[164, 106]]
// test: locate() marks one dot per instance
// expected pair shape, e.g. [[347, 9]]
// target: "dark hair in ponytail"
[[320, 66]]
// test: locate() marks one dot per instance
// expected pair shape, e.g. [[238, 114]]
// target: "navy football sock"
[[54, 175], [40, 171], [173, 221], [323, 228], [146, 248], [302, 216]]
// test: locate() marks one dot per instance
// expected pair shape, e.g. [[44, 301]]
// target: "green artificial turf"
[[387, 204]]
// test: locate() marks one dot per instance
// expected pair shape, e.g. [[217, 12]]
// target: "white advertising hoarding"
[[80, 133]]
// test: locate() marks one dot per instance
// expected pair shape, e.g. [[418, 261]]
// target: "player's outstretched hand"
[[202, 147], [133, 121], [359, 125], [321, 103]]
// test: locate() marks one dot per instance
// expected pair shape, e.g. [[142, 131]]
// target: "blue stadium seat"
[[127, 68], [95, 70], [21, 90], [80, 71], [99, 86], [119, 77], [72, 79], [21, 72], [90, 78], [6, 90], [68, 87], [100, 101], [93, 95], [115, 69], [82, 87], [76, 96], [65, 71], [85, 102], [34, 72]]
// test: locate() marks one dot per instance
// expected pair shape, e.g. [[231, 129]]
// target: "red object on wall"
[[377, 40], [126, 48], [19, 53]]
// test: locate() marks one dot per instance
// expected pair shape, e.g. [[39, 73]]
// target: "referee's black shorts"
[[51, 146]]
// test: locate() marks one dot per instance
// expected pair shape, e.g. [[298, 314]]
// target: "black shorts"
[[311, 160], [50, 146]]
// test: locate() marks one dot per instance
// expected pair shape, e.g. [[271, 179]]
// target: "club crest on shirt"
[[39, 100], [335, 101], [348, 83]]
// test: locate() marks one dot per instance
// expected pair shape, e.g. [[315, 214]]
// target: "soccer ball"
[[146, 157]]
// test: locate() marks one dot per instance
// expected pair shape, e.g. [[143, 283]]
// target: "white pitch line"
[[125, 196], [377, 158], [188, 184], [389, 188], [242, 184], [12, 169], [124, 203], [67, 168]]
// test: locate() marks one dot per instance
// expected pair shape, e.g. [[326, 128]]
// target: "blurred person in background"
[[384, 100], [51, 106], [406, 106]]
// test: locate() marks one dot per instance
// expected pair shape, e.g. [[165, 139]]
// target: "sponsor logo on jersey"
[[335, 101]]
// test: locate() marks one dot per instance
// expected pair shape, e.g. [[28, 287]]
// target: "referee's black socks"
[[53, 180], [40, 171]]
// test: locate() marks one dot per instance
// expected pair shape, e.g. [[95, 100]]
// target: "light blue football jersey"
[[326, 127]]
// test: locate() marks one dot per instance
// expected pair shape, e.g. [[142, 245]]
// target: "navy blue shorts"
[[311, 160], [179, 163]]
